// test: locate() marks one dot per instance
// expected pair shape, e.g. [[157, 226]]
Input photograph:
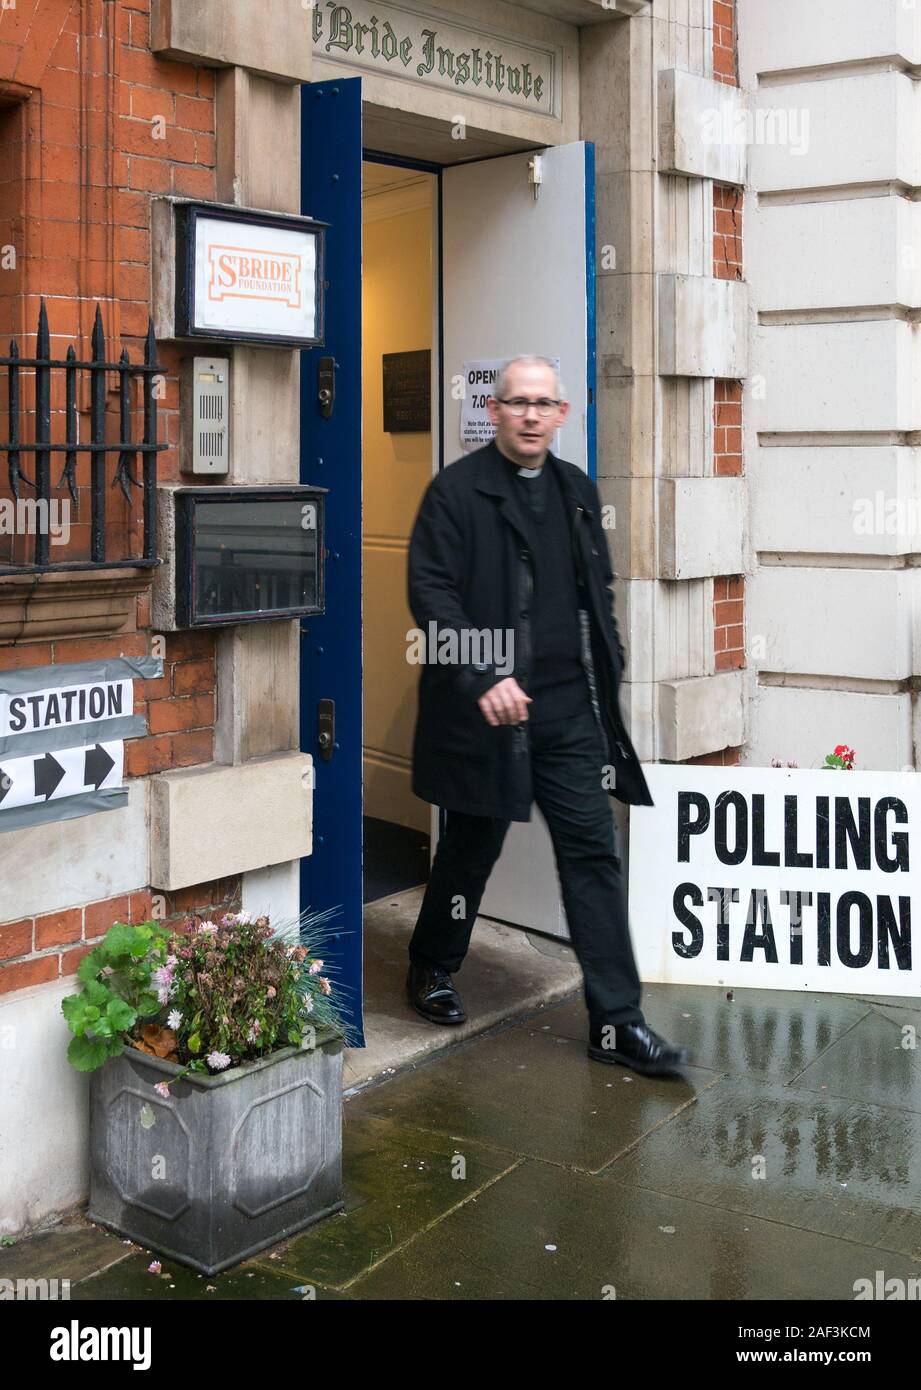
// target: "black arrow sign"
[[48, 774], [98, 767], [6, 784]]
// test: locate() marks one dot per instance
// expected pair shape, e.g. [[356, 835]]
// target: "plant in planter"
[[216, 1053]]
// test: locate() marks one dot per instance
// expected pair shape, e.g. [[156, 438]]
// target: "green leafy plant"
[[119, 988], [843, 757], [207, 995]]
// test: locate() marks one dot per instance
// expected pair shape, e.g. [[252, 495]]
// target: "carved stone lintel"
[[70, 603]]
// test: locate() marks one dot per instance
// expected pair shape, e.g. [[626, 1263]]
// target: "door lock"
[[326, 386], [326, 728]]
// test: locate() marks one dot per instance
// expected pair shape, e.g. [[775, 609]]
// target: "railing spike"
[[43, 344], [99, 337]]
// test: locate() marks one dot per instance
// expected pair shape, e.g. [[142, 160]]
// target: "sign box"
[[778, 878], [248, 276], [246, 553]]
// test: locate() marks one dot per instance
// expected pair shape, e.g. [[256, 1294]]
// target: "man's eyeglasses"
[[519, 405]]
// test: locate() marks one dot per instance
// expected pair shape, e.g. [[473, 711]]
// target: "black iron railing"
[[44, 372]]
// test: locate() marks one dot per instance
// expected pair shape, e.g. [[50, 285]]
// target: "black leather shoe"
[[636, 1045], [432, 994]]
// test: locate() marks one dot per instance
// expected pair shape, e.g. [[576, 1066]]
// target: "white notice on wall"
[[476, 428], [778, 879]]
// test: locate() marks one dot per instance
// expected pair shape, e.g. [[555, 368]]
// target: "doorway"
[[399, 429]]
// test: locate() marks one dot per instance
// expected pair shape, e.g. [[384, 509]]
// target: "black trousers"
[[567, 759]]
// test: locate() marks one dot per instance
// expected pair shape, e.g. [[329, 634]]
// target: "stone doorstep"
[[508, 975]]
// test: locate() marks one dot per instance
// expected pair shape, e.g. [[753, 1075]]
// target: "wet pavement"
[[785, 1163]]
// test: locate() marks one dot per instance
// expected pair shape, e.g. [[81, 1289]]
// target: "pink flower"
[[162, 1089], [325, 985], [154, 1267], [218, 1060], [315, 967]]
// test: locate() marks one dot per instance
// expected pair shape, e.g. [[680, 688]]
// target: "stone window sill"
[[70, 603]]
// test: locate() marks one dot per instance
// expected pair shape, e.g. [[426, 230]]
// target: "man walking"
[[509, 541]]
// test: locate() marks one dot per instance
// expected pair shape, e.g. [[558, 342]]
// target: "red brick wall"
[[727, 232], [92, 125], [104, 125], [728, 264], [35, 950], [724, 42]]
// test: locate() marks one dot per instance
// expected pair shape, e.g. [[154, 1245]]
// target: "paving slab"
[[131, 1281], [830, 1165], [533, 1094], [398, 1182], [504, 975], [545, 1233], [755, 1033], [63, 1252], [878, 1060]]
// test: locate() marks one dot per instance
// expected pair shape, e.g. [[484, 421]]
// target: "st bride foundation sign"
[[430, 48]]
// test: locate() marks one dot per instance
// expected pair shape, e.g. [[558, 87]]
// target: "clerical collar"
[[530, 472]]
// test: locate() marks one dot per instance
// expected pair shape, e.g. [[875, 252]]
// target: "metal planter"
[[228, 1164]]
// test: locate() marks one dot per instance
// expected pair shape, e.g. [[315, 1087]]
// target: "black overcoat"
[[470, 569]]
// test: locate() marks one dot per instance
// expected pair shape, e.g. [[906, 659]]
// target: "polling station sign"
[[778, 879], [62, 737]]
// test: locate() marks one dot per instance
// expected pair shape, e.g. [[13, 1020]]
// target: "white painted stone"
[[701, 127], [700, 527], [703, 326], [842, 254], [701, 715], [831, 622], [840, 501], [44, 1109], [849, 130], [271, 39], [211, 821], [788, 34], [794, 724], [46, 868], [273, 892], [834, 377]]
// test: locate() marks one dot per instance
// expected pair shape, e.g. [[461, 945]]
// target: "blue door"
[[331, 652]]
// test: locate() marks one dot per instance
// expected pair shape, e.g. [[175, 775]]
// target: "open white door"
[[518, 277]]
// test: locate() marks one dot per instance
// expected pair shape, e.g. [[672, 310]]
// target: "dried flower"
[[162, 1089], [154, 1267], [315, 967], [325, 985]]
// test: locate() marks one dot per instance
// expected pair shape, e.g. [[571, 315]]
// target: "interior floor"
[[395, 858]]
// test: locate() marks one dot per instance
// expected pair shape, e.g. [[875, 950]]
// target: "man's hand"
[[505, 703]]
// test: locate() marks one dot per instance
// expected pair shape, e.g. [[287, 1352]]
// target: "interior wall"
[[397, 309]]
